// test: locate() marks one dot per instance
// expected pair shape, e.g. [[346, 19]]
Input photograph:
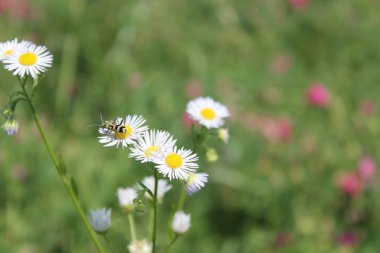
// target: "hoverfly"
[[113, 126]]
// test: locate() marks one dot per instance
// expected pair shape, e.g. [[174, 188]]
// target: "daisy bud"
[[211, 155], [126, 197], [181, 222], [100, 220], [223, 134], [10, 126], [142, 246]]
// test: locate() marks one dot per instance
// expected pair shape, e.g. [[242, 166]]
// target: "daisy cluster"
[[157, 147], [25, 58]]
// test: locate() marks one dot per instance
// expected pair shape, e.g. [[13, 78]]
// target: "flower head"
[[10, 126], [162, 187], [181, 222], [367, 168], [176, 163], [318, 95], [151, 142], [350, 184], [142, 246], [28, 59], [100, 220], [207, 112], [133, 127], [6, 48], [195, 182], [126, 197]]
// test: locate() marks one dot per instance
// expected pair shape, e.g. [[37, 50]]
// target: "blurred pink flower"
[[350, 184], [368, 107], [15, 8], [277, 129], [193, 89], [299, 5], [367, 168], [187, 121], [281, 64], [348, 239], [318, 95]]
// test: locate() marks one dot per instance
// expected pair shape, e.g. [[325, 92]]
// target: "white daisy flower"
[[162, 187], [142, 246], [181, 222], [176, 163], [195, 181], [133, 126], [207, 112], [6, 48], [151, 142], [28, 59], [126, 197], [100, 220]]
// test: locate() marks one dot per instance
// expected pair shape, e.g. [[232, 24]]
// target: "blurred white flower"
[[181, 222], [10, 126], [28, 59], [162, 187], [100, 220], [207, 112], [134, 127], [126, 197], [195, 181], [151, 142], [6, 48], [176, 163], [142, 246], [223, 134]]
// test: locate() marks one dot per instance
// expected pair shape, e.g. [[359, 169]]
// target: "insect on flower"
[[112, 126]]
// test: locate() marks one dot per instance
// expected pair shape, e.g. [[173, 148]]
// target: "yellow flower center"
[[208, 113], [174, 161], [148, 152], [28, 59], [8, 52], [125, 135]]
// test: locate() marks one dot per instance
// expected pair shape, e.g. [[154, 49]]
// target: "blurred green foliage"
[[258, 58]]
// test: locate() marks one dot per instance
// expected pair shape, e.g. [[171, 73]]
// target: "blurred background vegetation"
[[288, 180]]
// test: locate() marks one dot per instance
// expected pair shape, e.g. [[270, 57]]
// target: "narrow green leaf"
[[61, 165]]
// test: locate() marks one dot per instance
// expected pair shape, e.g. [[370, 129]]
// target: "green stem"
[[181, 199], [154, 211], [56, 164], [132, 226], [171, 243]]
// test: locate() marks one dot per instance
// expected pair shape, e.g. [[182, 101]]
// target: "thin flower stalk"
[[154, 235], [54, 159]]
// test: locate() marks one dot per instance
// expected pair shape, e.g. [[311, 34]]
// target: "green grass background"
[[136, 57]]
